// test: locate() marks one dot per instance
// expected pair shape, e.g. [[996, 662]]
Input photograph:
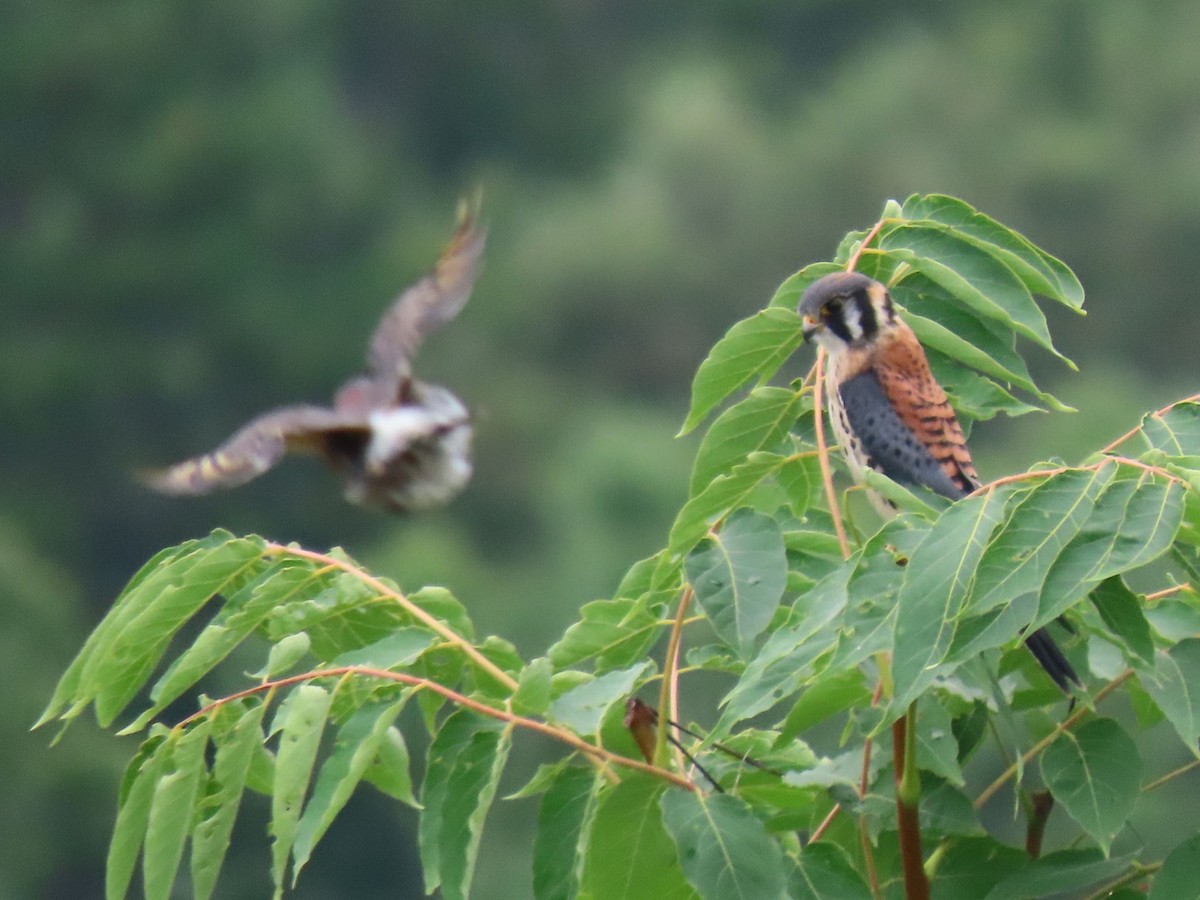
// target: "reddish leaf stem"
[[1065, 725], [908, 792], [1154, 415], [669, 688], [597, 754], [823, 454], [411, 608]]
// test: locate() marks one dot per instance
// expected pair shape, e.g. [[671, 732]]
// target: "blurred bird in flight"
[[395, 441]]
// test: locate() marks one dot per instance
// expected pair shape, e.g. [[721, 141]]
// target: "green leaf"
[[218, 807], [582, 707], [935, 585], [284, 654], [172, 810], [753, 348], [302, 725], [937, 750], [723, 494], [464, 766], [1095, 773], [400, 648], [739, 576], [389, 772], [946, 809], [973, 865], [869, 623], [759, 422], [800, 478], [614, 632], [825, 698], [1176, 431], [562, 833], [630, 856], [1037, 530], [1176, 880], [723, 847], [945, 325], [824, 872], [1133, 522], [133, 812], [1064, 872], [901, 497], [1175, 687], [972, 395], [141, 624], [788, 656], [354, 749], [1121, 610], [978, 279], [1037, 269], [246, 609], [532, 697]]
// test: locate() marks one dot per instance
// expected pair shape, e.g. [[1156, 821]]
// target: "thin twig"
[[823, 454], [597, 754], [1091, 467], [1169, 592], [1170, 776], [1063, 726], [858, 251], [1154, 415], [670, 685], [1135, 874], [411, 608]]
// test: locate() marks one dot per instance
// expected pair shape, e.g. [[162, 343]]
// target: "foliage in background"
[[203, 215], [757, 585]]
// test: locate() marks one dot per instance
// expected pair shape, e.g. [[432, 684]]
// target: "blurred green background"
[[204, 209]]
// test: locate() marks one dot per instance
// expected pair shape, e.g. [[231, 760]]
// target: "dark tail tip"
[[1051, 658]]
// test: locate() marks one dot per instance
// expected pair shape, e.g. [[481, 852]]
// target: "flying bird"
[[395, 441], [888, 411]]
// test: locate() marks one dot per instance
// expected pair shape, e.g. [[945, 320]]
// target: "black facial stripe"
[[837, 323], [866, 315]]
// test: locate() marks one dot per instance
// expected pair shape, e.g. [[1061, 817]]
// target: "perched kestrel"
[[395, 441], [888, 411]]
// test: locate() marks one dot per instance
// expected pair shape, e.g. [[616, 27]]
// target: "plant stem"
[[908, 798], [823, 454], [669, 686], [598, 755], [1065, 725], [1040, 805], [432, 622]]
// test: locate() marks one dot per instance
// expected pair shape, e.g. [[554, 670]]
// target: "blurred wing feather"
[[254, 449], [427, 305]]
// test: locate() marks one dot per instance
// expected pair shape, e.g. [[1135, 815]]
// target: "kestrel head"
[[845, 309]]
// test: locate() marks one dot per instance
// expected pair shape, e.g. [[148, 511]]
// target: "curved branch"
[[1065, 725], [823, 454], [597, 754], [451, 636], [1135, 429], [670, 685]]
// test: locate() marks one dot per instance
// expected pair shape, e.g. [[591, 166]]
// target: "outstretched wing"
[[255, 449], [427, 305]]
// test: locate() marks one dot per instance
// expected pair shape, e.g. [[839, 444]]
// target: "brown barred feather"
[[903, 371]]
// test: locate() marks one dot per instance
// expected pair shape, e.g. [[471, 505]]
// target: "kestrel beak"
[[811, 325]]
